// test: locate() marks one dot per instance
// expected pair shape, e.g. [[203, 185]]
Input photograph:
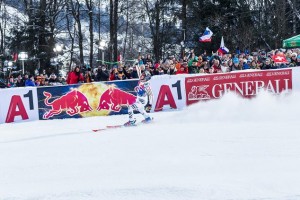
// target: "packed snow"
[[229, 149]]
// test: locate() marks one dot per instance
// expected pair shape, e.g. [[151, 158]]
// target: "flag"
[[223, 50], [15, 57], [120, 58], [206, 37], [279, 59]]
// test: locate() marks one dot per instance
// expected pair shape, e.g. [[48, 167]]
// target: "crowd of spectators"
[[189, 64]]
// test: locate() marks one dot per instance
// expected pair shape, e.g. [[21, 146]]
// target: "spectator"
[[205, 69], [11, 82], [134, 73], [253, 65], [75, 76], [294, 59], [236, 65], [192, 64], [120, 75], [26, 77], [20, 82], [246, 64], [102, 74], [52, 80], [127, 72], [178, 64], [268, 64], [30, 81], [298, 61], [183, 69], [148, 60], [159, 71], [38, 81], [112, 74], [88, 76], [224, 66], [201, 63], [172, 70], [216, 67]]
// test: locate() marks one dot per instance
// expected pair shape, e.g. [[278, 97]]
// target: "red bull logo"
[[113, 99], [73, 103]]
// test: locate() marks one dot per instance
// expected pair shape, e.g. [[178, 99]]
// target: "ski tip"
[[100, 129]]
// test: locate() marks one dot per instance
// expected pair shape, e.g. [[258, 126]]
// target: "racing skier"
[[144, 98]]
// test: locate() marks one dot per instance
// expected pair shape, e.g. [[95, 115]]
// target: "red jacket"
[[73, 78], [185, 71]]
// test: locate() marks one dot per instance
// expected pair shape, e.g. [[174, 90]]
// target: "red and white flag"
[[15, 57], [120, 58], [279, 59]]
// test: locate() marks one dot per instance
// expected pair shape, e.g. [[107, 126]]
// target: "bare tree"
[[75, 10], [90, 7]]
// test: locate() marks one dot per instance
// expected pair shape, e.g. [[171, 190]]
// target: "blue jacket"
[[29, 82], [246, 66]]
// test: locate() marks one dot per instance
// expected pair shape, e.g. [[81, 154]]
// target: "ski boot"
[[130, 123], [147, 120]]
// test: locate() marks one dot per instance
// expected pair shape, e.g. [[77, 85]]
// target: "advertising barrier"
[[85, 100], [244, 83], [18, 104], [168, 92], [110, 98]]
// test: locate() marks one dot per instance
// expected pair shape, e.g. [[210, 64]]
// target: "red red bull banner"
[[86, 100], [246, 83]]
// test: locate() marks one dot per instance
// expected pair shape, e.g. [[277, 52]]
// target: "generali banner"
[[245, 83]]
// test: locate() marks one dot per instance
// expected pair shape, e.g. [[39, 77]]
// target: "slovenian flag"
[[206, 37], [223, 50]]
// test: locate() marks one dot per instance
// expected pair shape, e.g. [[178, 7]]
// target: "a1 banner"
[[246, 83], [18, 104]]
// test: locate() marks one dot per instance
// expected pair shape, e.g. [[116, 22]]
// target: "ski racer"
[[144, 99]]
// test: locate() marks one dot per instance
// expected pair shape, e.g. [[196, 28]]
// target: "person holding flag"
[[223, 50]]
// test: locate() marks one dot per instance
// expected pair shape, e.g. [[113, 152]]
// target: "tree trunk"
[[156, 40], [115, 33], [80, 36], [42, 43], [89, 4], [184, 25]]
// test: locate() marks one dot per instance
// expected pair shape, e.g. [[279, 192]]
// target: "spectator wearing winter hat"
[[262, 57], [236, 65], [192, 64], [294, 59], [246, 64], [268, 64]]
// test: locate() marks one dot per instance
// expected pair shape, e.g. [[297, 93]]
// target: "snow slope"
[[226, 149]]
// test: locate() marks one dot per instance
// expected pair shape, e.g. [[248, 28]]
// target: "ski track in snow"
[[233, 149]]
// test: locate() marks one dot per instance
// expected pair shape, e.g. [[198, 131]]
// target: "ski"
[[121, 126]]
